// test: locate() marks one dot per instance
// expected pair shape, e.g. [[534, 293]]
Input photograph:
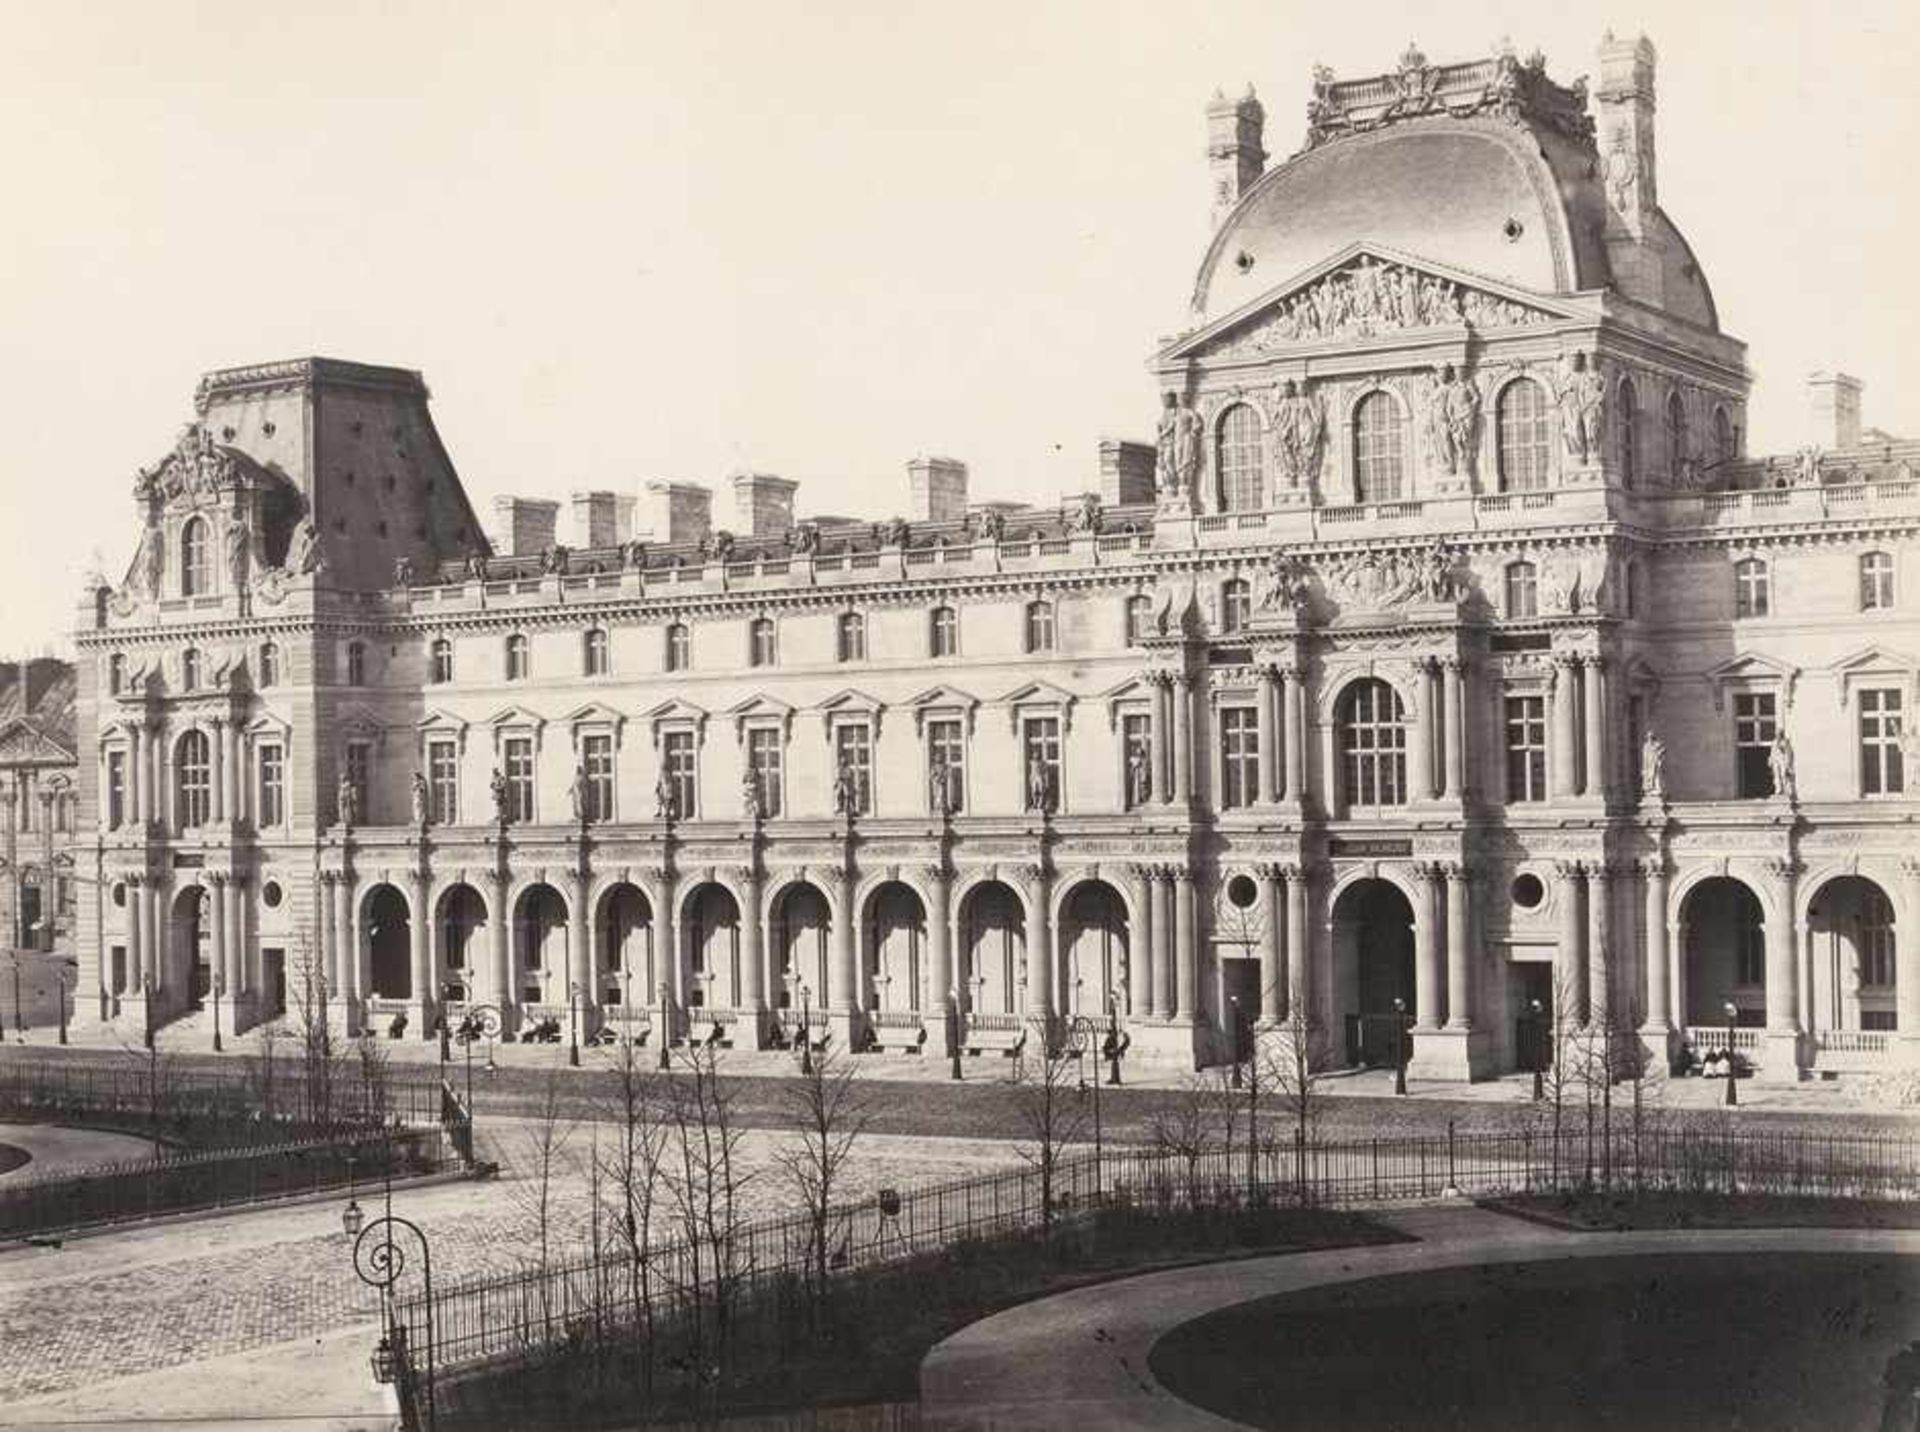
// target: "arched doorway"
[[1093, 950], [463, 915], [895, 940], [1851, 923], [711, 938], [385, 918], [993, 937], [540, 945], [627, 969], [1725, 935], [802, 925], [1372, 967], [189, 967]]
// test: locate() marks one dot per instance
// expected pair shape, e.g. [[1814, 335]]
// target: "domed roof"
[[1480, 195]]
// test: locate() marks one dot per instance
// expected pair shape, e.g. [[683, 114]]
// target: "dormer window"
[[519, 662]]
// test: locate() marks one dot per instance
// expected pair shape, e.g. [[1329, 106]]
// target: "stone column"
[[236, 946], [1459, 947], [1561, 760], [753, 960], [1600, 959], [217, 773], [942, 980], [158, 944], [1299, 963], [1591, 678], [139, 787], [578, 973], [1420, 736], [1783, 985], [346, 939], [1182, 739], [666, 943], [1140, 941], [1040, 943], [1659, 1020], [1157, 687], [420, 955], [1295, 735], [1570, 965], [1265, 733], [1429, 965], [845, 996], [1906, 975], [1160, 883], [136, 936], [236, 808], [326, 941], [1183, 955], [500, 948], [1273, 969], [1456, 731]]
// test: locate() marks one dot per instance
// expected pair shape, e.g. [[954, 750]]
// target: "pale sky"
[[675, 240]]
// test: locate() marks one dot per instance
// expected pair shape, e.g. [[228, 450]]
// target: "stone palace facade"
[[1446, 647]]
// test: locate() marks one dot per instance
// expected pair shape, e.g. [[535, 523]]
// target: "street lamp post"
[[481, 1021], [1233, 1004], [1733, 1083], [60, 979], [446, 1030], [19, 1012], [666, 1027], [954, 1018], [1115, 1045], [1539, 1060], [146, 1003], [379, 1261], [573, 1025], [806, 1029], [1399, 1046], [218, 984], [1081, 1032]]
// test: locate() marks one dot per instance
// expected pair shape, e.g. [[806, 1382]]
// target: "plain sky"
[[675, 240]]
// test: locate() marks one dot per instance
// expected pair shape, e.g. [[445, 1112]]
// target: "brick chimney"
[[1126, 472], [1833, 411], [523, 525], [677, 511], [1235, 153], [762, 504], [601, 519], [939, 489]]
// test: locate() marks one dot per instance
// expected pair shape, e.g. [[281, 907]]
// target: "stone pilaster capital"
[[1140, 871], [1453, 665], [746, 876], [1456, 872], [937, 875], [217, 879], [1565, 660], [660, 877], [1602, 871], [1180, 874], [1910, 867], [1570, 869], [1652, 867], [135, 879], [1291, 871], [1785, 869]]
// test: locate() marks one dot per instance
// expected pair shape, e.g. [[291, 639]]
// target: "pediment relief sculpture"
[[193, 474], [1373, 581]]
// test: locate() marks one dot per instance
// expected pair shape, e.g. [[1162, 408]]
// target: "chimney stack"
[[601, 519], [523, 525], [1833, 411], [1127, 471], [939, 487], [763, 504], [1235, 153], [678, 511]]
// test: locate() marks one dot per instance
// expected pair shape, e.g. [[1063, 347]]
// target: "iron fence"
[[761, 1264], [141, 1189]]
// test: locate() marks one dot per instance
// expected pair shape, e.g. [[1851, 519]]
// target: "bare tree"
[[1049, 1110], [1188, 1130], [541, 1165], [827, 1115], [632, 1166], [321, 1058], [704, 1181], [1296, 1052], [263, 1069], [376, 1094]]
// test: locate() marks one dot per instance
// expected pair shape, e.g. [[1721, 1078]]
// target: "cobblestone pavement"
[[121, 1304]]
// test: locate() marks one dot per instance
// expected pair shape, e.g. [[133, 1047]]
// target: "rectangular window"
[[1136, 749], [1876, 582], [360, 777], [272, 807], [947, 763], [1754, 727], [443, 782], [945, 632], [1876, 944], [765, 762], [1042, 764], [1526, 748], [853, 770], [676, 759], [596, 764], [1239, 757], [518, 753], [1882, 771], [760, 642], [116, 789]]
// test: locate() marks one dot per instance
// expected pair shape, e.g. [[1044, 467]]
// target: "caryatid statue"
[[1455, 418], [1581, 396], [1300, 424], [1181, 443]]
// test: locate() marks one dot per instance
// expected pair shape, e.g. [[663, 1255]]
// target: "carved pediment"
[[1870, 664], [1750, 669], [24, 744], [942, 698], [1041, 697], [763, 709], [1366, 292]]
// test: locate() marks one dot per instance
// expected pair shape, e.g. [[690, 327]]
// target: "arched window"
[[190, 669], [761, 648], [442, 660], [853, 637], [1627, 434], [1525, 436], [193, 780], [593, 652], [1238, 458], [943, 632], [1678, 444], [1236, 605], [1373, 744], [1379, 448], [1139, 619], [1752, 588], [196, 558], [1039, 626], [356, 663], [679, 647], [1876, 581], [269, 673], [518, 661], [1523, 590], [1722, 436]]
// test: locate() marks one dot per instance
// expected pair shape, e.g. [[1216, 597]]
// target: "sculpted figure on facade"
[[1086, 516], [666, 798], [502, 804], [940, 792], [303, 556], [805, 538], [1139, 778], [476, 567], [403, 572], [750, 806], [1182, 440], [1780, 764], [1439, 576], [1300, 428], [1041, 794], [1559, 582], [234, 539], [990, 525], [1580, 394], [346, 802], [1287, 582], [577, 794], [419, 795], [1454, 419], [1653, 766], [554, 560], [1369, 298]]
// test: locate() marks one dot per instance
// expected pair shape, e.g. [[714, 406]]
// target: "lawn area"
[[1619, 1211]]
